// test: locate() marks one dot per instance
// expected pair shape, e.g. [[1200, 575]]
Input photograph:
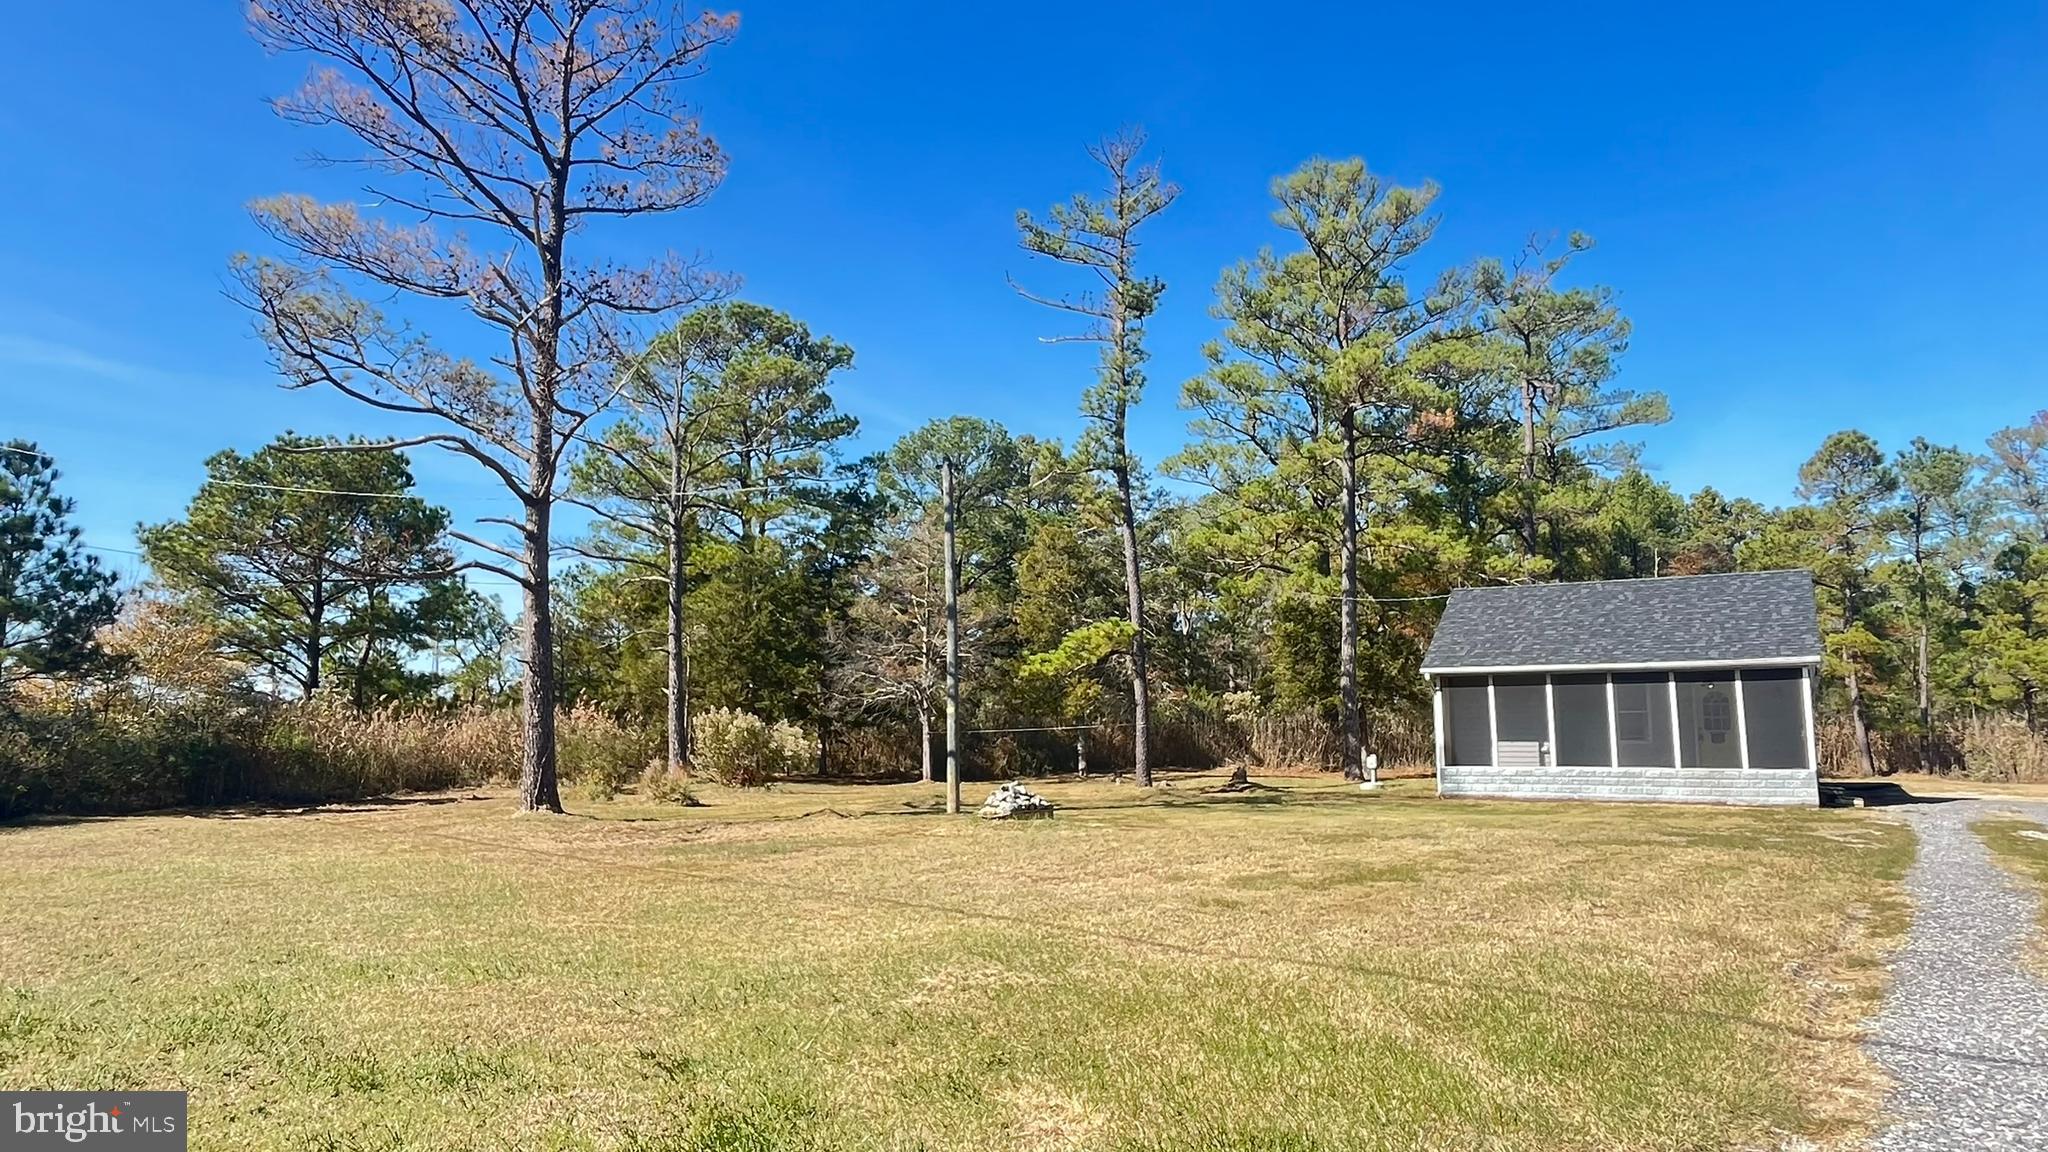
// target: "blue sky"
[[1816, 219]]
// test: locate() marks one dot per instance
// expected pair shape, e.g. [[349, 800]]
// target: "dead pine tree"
[[495, 132], [1100, 234]]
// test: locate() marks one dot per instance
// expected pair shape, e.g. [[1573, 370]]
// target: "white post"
[[1613, 730], [1677, 751], [1741, 723], [1436, 702], [1492, 728], [1550, 718], [1806, 716]]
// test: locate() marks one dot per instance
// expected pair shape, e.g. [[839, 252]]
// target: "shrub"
[[597, 754], [665, 785], [742, 750]]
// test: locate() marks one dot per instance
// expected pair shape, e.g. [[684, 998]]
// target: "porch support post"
[[1436, 703], [1806, 715], [1613, 730], [1550, 719], [1741, 722], [1492, 727], [1677, 750]]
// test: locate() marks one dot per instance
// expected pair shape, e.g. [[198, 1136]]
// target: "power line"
[[1356, 597], [312, 491], [500, 583], [116, 551], [259, 486], [495, 496], [250, 484]]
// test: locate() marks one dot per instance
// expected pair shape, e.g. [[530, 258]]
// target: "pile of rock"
[[1013, 801]]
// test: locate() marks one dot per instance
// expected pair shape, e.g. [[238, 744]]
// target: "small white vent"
[[1520, 753]]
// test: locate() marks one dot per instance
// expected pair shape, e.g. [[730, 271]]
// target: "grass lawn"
[[2022, 847], [827, 967]]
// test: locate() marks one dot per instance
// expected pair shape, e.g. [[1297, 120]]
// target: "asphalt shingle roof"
[[1604, 623]]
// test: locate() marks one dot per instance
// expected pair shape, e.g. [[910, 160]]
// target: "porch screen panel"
[[1581, 703], [1774, 713], [1468, 734], [1519, 710], [1707, 737], [1642, 719]]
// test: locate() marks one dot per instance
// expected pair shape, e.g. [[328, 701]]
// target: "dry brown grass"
[[814, 966], [1985, 748], [2021, 847]]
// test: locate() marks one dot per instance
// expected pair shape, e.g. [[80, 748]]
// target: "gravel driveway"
[[1963, 1030]]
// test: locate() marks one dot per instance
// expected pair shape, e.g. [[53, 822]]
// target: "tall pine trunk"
[[362, 687], [538, 789], [1921, 675], [1347, 608], [1134, 595], [678, 672], [316, 622], [924, 742], [1528, 469], [1860, 726], [1926, 699], [1857, 721]]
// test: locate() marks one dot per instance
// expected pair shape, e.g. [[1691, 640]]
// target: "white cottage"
[[1678, 688]]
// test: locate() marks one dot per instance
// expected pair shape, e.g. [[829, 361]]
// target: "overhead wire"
[[260, 486]]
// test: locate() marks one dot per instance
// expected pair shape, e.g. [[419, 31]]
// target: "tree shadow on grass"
[[248, 810], [1873, 794]]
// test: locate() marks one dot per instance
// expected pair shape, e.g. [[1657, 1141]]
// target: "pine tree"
[[1100, 234], [1315, 379], [54, 596]]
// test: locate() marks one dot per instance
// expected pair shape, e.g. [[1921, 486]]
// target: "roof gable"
[[1737, 617]]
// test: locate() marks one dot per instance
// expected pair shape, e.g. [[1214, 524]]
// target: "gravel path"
[[1964, 1028]]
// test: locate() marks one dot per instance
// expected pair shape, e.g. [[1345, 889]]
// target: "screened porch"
[[1740, 718]]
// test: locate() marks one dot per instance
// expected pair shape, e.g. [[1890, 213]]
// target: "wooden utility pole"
[[674, 655], [1347, 610], [952, 564]]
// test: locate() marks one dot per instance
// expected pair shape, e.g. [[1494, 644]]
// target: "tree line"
[[1373, 426]]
